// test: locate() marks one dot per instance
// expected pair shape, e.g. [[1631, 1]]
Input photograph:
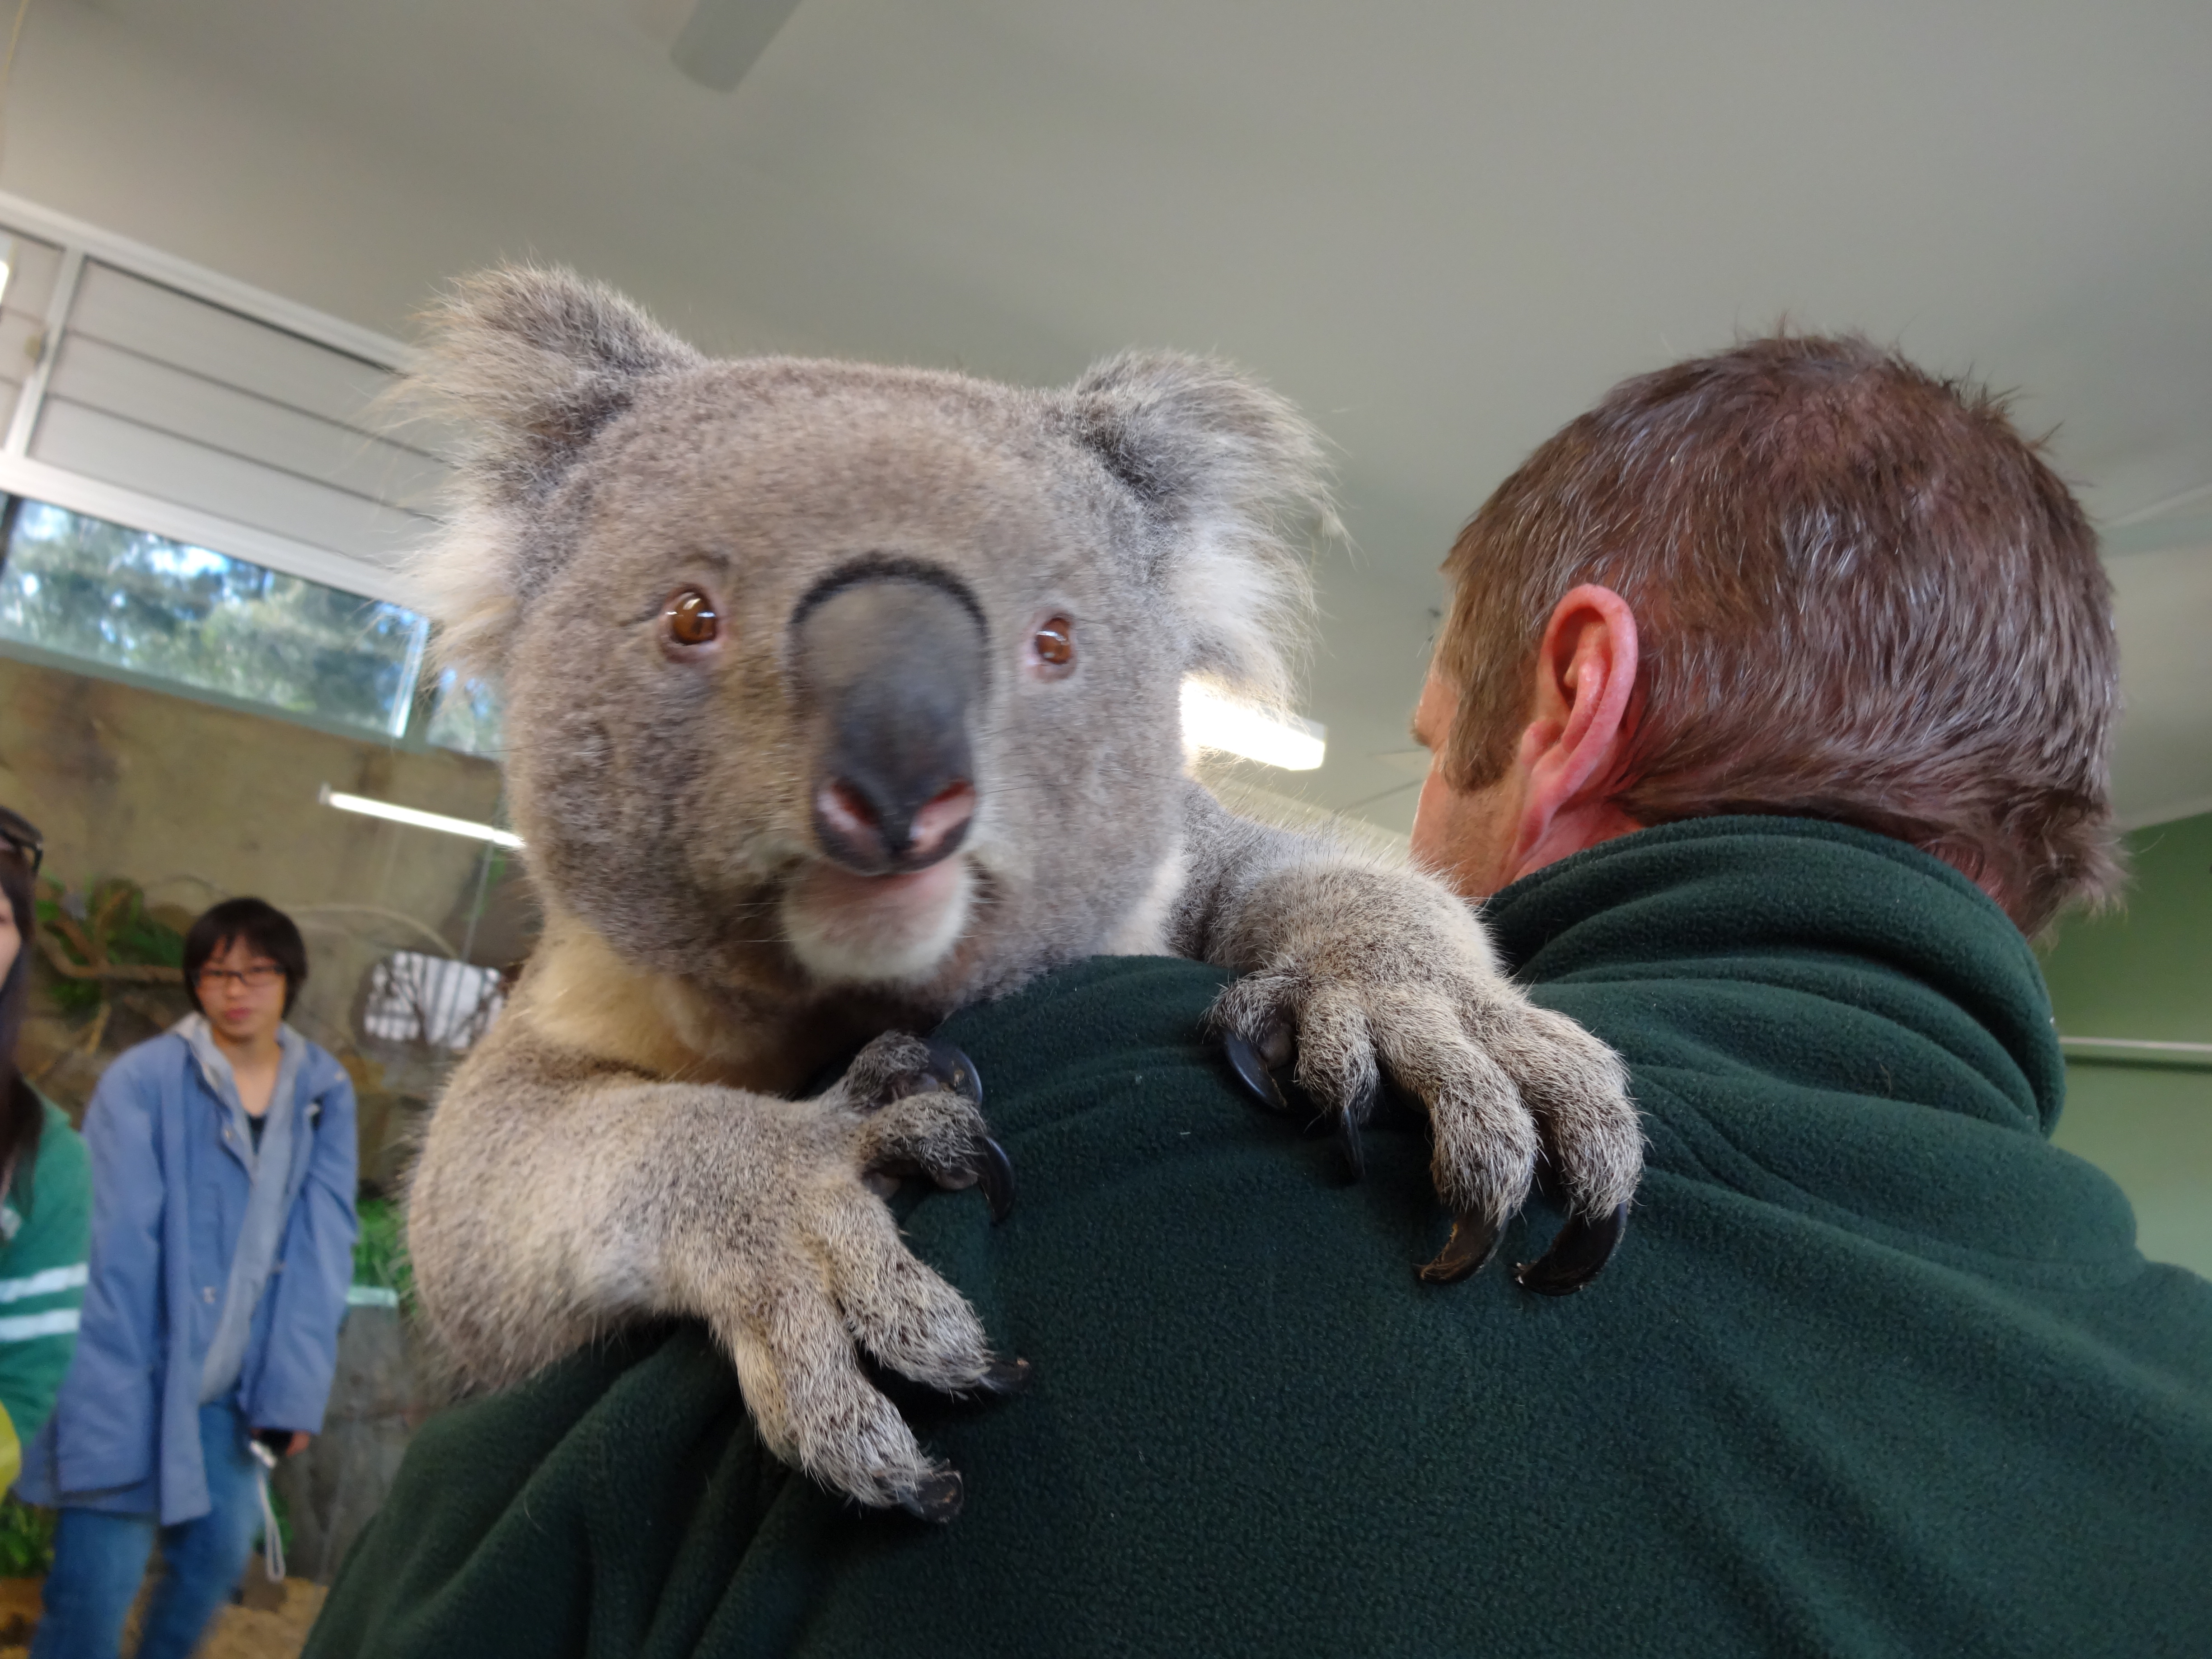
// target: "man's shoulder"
[[1253, 1425], [1090, 1009]]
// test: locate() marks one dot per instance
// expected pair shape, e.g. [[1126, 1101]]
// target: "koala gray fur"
[[728, 911]]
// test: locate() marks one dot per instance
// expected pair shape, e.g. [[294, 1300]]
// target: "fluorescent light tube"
[[439, 820], [1211, 720]]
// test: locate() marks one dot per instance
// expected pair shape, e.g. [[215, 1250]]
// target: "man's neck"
[[1584, 825]]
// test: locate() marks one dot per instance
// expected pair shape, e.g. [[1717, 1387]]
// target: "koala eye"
[[1055, 643], [690, 618]]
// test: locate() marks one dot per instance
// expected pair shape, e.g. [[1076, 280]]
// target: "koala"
[[838, 697]]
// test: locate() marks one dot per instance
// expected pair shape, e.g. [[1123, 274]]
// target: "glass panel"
[[413, 998], [86, 588], [466, 717]]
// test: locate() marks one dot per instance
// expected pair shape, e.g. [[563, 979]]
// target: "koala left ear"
[[1233, 481]]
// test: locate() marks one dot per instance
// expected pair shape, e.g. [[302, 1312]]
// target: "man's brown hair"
[[1860, 595]]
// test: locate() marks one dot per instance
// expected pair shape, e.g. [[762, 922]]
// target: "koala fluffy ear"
[[1234, 483], [524, 365]]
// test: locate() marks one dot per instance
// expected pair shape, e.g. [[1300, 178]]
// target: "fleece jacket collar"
[[1824, 1016]]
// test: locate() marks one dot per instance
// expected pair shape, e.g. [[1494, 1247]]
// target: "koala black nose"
[[891, 667]]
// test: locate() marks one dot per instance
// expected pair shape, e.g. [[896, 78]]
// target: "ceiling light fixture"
[[409, 815], [1211, 720], [715, 42]]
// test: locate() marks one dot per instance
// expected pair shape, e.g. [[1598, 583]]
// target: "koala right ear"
[[524, 365], [530, 363]]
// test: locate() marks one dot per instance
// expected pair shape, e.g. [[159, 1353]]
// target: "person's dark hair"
[[22, 1118], [258, 925], [1860, 595]]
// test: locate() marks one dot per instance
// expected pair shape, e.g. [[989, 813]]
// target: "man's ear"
[[1576, 744], [1230, 482], [523, 367]]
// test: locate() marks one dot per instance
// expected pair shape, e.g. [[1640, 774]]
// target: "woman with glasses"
[[222, 1170], [45, 1187]]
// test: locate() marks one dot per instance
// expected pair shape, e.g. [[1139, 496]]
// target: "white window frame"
[[21, 475]]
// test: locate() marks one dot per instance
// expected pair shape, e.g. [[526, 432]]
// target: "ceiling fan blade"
[[723, 39]]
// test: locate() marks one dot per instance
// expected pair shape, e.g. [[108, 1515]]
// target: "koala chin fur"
[[838, 696], [876, 930]]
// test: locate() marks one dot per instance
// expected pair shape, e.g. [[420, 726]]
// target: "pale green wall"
[[2147, 973]]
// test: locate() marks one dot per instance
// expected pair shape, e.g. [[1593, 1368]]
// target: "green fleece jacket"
[[1876, 1371]]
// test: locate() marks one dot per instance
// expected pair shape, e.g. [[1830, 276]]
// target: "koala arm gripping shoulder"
[[1354, 971], [558, 1197]]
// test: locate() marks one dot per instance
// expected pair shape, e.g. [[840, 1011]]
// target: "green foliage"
[[27, 1540], [114, 916], [135, 935], [379, 1254], [89, 589], [71, 996]]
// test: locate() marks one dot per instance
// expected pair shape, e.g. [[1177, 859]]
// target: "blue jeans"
[[100, 1559]]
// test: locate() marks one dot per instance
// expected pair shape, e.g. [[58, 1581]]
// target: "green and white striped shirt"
[[46, 1232]]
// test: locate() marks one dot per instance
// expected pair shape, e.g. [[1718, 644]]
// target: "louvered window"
[[207, 488]]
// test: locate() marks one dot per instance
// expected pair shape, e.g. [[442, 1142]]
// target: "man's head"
[[1800, 576]]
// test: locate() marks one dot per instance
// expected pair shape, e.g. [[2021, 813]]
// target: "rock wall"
[[378, 1398], [195, 802]]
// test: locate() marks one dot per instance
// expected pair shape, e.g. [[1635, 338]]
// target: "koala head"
[[848, 676]]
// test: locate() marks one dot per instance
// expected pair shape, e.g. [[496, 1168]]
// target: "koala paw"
[[828, 1275], [1379, 981]]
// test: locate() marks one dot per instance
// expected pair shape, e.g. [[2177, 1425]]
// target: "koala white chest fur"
[[840, 697]]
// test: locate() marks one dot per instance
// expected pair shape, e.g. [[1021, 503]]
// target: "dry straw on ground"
[[237, 1633]]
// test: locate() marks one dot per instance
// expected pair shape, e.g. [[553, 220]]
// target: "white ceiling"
[[1443, 228]]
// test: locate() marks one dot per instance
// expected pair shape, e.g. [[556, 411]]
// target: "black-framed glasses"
[[255, 977], [20, 836]]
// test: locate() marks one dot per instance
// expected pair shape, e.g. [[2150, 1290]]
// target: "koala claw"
[[1577, 1255], [956, 1072], [935, 1498], [1252, 1071], [1347, 1140], [1007, 1376], [1366, 1092], [1473, 1240], [994, 1173]]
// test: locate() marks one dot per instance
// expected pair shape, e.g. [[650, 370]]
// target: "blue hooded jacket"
[[170, 1185]]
